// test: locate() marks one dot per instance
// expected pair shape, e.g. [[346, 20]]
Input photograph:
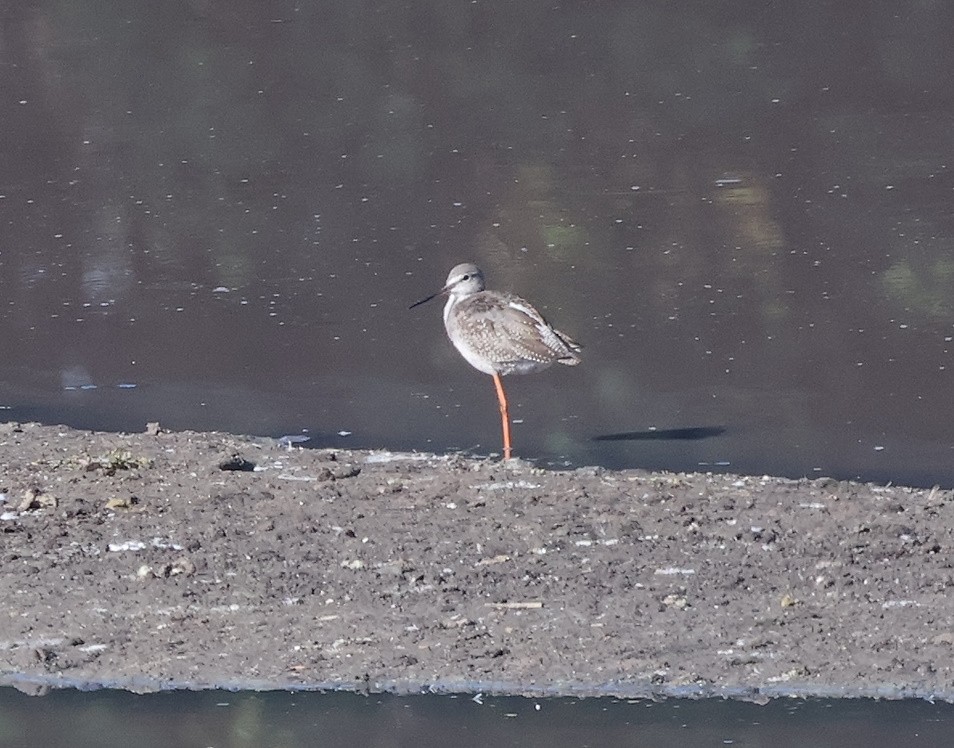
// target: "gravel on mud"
[[198, 560]]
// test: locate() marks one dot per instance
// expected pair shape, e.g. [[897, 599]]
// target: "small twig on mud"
[[532, 605]]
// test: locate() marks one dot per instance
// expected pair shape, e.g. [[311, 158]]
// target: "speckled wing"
[[510, 333]]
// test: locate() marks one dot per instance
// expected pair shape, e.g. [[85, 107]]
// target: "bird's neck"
[[449, 306]]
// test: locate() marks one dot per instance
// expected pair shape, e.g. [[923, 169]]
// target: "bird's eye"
[[465, 277]]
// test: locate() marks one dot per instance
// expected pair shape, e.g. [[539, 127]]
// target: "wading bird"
[[498, 333]]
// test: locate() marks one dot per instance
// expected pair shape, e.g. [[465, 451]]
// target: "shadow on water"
[[688, 434], [104, 719]]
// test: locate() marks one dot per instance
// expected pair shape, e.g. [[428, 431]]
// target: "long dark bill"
[[424, 301]]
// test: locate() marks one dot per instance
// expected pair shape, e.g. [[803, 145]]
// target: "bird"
[[499, 333]]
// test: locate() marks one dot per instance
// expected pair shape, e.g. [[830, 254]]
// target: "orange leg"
[[504, 414]]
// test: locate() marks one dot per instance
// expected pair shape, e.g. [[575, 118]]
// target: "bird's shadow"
[[689, 434]]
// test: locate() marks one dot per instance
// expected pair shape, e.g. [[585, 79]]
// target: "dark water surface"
[[236, 720], [215, 214]]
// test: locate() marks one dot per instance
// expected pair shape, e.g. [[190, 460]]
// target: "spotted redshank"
[[498, 333]]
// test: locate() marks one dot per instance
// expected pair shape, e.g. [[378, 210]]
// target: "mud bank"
[[197, 560]]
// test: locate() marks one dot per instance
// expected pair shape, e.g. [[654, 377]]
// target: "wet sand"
[[198, 560]]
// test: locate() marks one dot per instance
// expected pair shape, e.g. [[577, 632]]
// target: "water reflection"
[[742, 212], [211, 718]]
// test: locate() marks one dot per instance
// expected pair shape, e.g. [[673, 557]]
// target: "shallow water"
[[216, 215], [113, 718]]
